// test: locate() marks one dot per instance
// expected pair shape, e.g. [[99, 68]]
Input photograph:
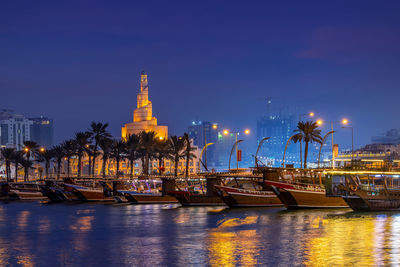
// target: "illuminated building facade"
[[202, 132], [143, 119], [42, 131]]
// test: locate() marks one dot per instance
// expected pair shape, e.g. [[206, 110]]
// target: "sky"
[[80, 61]]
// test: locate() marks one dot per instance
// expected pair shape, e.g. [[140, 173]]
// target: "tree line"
[[97, 142]]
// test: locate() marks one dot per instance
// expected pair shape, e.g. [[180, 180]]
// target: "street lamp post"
[[343, 122], [352, 143], [214, 127], [235, 145]]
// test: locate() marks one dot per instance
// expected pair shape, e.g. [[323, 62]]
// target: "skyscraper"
[[42, 131], [143, 119], [202, 133]]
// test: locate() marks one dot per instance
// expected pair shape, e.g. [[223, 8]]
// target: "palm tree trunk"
[[143, 165], [16, 170], [90, 165], [159, 165], [117, 172], [68, 166], [94, 156], [301, 155], [8, 170], [58, 168], [131, 166], [47, 166], [104, 166], [147, 164], [79, 165], [305, 155], [176, 166], [187, 164]]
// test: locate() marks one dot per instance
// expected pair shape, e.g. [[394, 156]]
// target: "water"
[[33, 234]]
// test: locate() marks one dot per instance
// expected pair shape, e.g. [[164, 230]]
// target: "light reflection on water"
[[32, 234]]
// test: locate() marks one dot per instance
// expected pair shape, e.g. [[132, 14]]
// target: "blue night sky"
[[78, 61]]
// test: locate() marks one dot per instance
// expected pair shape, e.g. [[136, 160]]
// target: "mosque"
[[143, 119]]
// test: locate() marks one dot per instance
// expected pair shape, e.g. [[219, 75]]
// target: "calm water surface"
[[33, 234]]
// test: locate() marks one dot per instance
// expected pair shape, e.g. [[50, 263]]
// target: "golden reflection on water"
[[234, 248], [350, 241]]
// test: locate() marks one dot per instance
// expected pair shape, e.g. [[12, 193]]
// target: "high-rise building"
[[202, 133], [42, 131], [15, 129], [143, 119], [279, 128], [390, 137]]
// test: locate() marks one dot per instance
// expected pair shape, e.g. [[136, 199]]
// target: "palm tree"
[[298, 138], [105, 145], [8, 155], [82, 142], [188, 152], [132, 147], [177, 145], [162, 151], [27, 164], [69, 148], [18, 158], [147, 147], [30, 148], [46, 156], [58, 154], [118, 150], [97, 132], [310, 134]]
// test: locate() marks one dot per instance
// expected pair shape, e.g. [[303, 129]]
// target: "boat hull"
[[297, 197], [138, 198], [187, 199], [88, 194], [236, 197], [358, 203]]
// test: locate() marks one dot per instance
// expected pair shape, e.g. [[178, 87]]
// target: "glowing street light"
[[225, 132], [42, 149], [215, 126], [26, 149], [311, 114], [344, 121], [247, 131]]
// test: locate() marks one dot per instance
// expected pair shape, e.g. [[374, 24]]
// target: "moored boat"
[[366, 191], [300, 188], [25, 191], [84, 193], [238, 197], [146, 198]]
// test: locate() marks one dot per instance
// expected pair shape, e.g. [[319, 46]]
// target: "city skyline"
[[78, 70]]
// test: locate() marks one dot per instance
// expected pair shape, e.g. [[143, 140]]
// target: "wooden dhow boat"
[[28, 191], [366, 190], [240, 197], [90, 194], [300, 188], [200, 196]]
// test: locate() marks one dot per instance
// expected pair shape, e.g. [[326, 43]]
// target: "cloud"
[[351, 44]]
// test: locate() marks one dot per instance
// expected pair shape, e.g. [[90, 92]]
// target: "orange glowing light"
[[247, 131], [345, 121], [319, 122], [311, 114], [225, 132], [42, 149], [215, 126]]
